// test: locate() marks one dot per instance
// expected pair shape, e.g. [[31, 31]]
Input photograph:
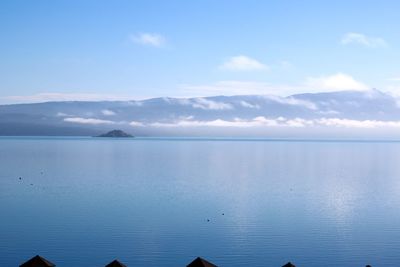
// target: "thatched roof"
[[199, 262], [37, 261], [115, 263]]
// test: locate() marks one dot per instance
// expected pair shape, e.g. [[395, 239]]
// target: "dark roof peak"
[[115, 263], [37, 261], [289, 264], [200, 262]]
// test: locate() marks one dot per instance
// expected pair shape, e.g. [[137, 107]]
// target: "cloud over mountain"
[[356, 109]]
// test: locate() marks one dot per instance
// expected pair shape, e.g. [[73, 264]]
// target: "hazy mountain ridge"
[[161, 115]]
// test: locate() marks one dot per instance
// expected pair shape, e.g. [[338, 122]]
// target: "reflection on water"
[[153, 202]]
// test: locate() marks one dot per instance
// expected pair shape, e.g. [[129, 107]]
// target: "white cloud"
[[150, 39], [249, 105], [362, 39], [200, 103], [91, 121], [292, 101], [134, 103], [234, 87], [262, 121], [242, 63], [336, 82], [207, 104], [136, 123], [259, 121], [357, 123], [62, 114], [328, 112], [107, 112]]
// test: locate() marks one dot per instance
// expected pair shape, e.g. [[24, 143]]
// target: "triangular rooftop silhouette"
[[37, 261], [199, 262], [289, 264], [115, 263]]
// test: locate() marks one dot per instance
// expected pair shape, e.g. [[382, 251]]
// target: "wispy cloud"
[[107, 112], [207, 104], [243, 63], [336, 82], [136, 123], [292, 101], [262, 121], [200, 103], [233, 87], [91, 121], [357, 123], [49, 97], [362, 39], [249, 105], [149, 39], [62, 114], [258, 121]]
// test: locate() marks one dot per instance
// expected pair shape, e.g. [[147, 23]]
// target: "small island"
[[115, 134]]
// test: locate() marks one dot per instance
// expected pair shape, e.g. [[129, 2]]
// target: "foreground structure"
[[39, 261], [115, 263], [199, 262]]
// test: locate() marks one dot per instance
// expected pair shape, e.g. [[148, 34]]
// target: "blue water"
[[85, 201]]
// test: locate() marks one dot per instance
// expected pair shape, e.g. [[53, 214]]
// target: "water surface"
[[162, 202]]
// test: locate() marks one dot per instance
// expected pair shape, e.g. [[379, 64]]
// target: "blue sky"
[[64, 50]]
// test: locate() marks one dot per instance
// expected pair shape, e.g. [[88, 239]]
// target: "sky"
[[111, 50]]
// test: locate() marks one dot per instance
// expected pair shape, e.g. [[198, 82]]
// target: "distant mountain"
[[266, 115]]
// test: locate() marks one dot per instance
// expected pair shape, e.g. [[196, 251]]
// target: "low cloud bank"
[[279, 122], [259, 121], [91, 121]]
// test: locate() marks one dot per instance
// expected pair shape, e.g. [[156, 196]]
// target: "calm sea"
[[163, 202]]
